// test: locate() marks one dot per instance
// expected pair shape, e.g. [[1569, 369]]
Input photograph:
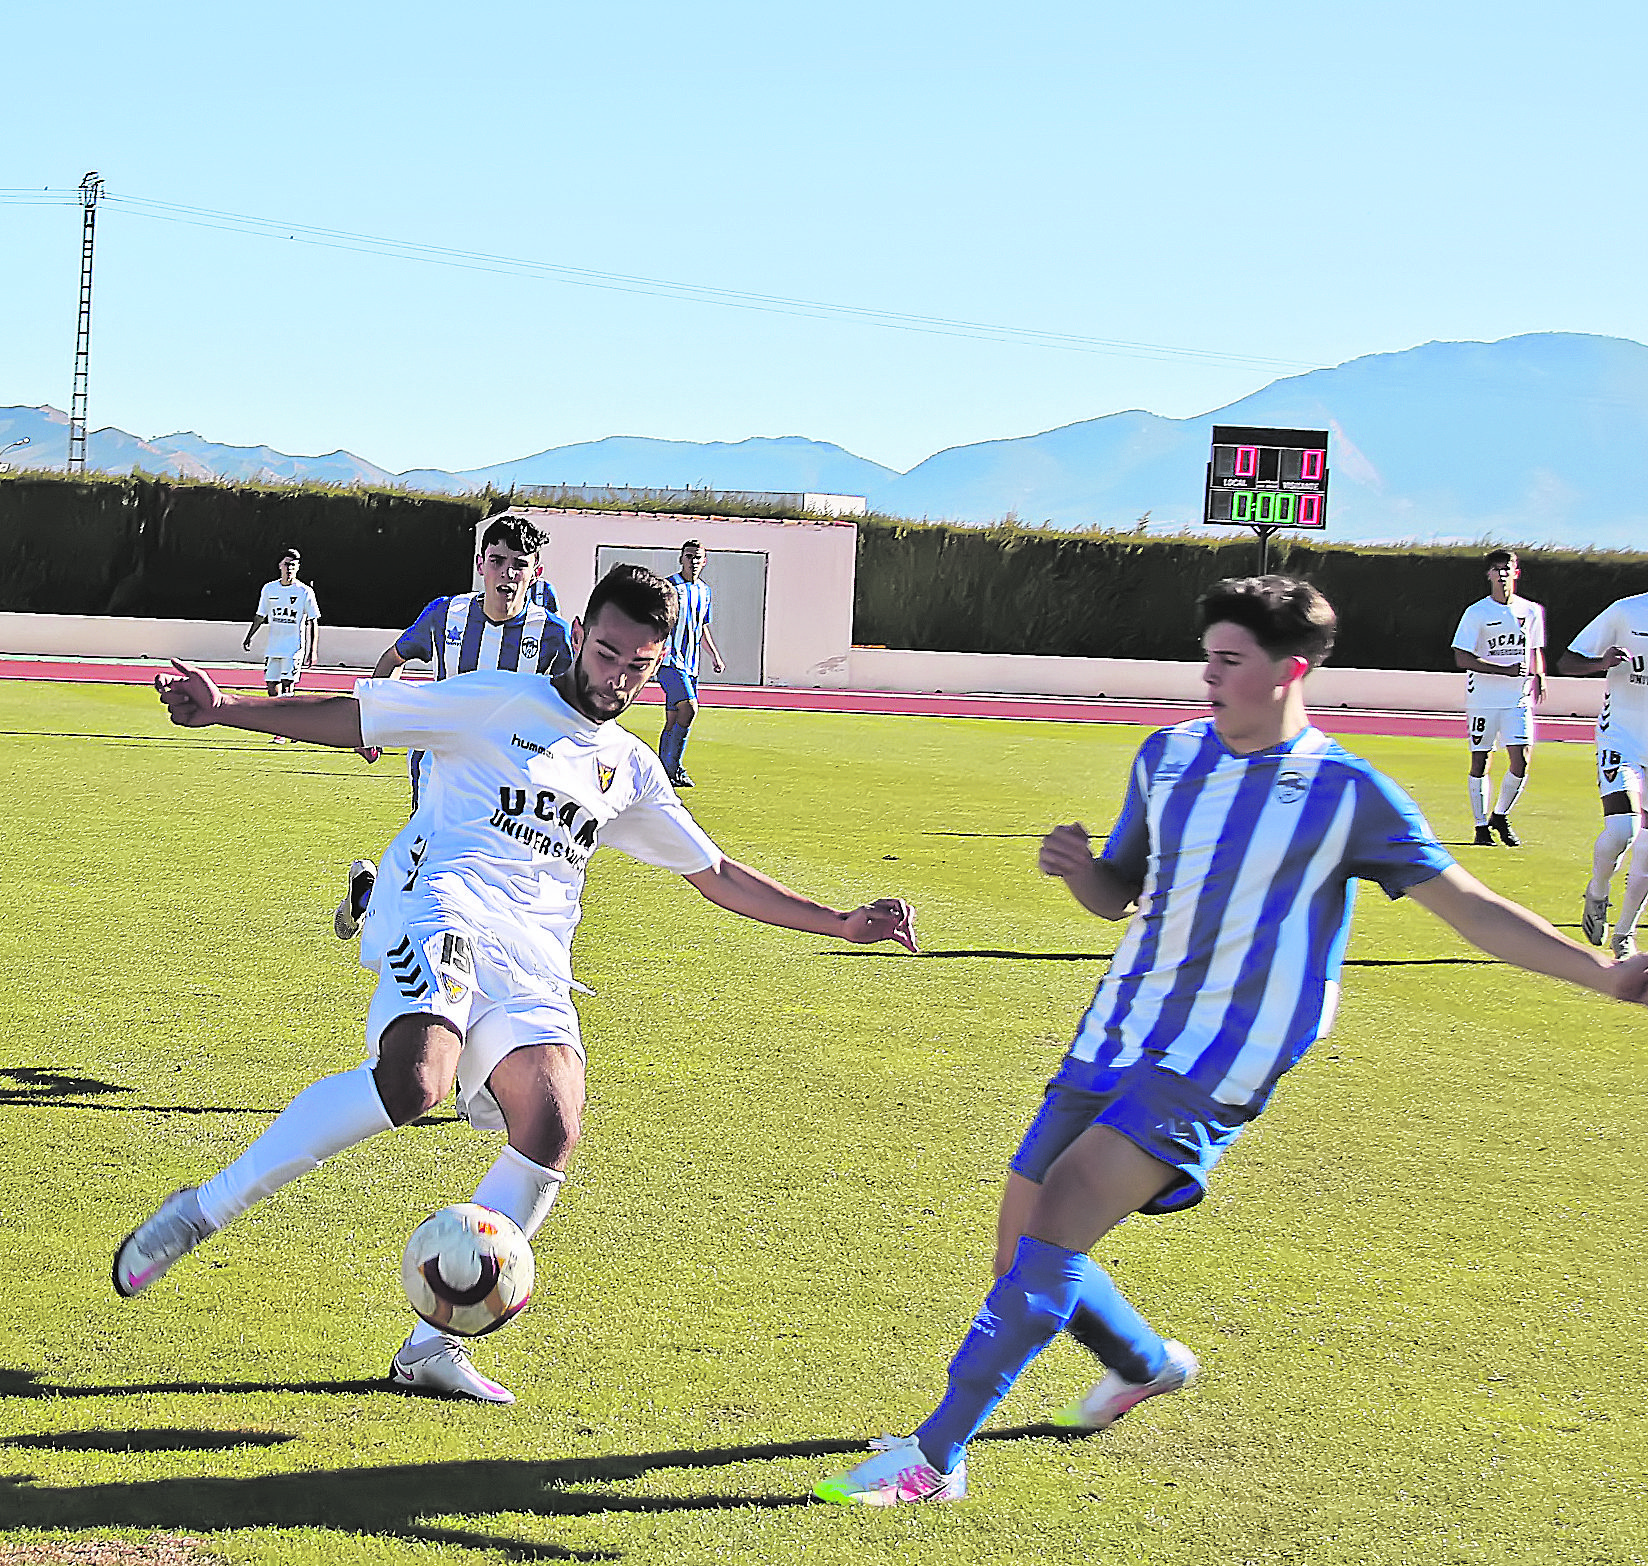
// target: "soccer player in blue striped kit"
[[678, 674], [1233, 860]]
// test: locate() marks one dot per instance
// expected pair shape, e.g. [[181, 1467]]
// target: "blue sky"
[[1259, 186]]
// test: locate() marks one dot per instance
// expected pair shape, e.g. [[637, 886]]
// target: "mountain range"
[[1532, 439]]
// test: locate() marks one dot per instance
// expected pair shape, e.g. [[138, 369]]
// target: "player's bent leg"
[[416, 1065], [326, 1117], [1619, 822]]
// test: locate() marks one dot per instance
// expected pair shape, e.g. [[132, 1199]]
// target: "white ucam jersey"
[[524, 792], [1622, 724], [286, 608], [1229, 971], [1500, 633]]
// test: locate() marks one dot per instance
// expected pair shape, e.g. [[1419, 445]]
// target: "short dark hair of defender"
[[1499, 557], [1288, 618], [641, 594], [524, 537]]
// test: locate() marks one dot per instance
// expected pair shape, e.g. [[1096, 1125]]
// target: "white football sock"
[[1477, 789], [1509, 787], [1636, 888], [517, 1188], [1611, 843], [326, 1117], [520, 1189]]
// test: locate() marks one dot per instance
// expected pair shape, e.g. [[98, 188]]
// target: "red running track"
[[769, 698]]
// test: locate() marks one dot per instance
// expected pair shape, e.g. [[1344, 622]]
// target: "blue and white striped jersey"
[[694, 599], [1229, 971], [455, 635]]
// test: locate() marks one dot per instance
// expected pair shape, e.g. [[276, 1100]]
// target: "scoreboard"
[[1267, 478]]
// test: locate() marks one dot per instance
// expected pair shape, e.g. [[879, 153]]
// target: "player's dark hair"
[[641, 594], [520, 534], [691, 543], [290, 553], [1288, 618], [1499, 557]]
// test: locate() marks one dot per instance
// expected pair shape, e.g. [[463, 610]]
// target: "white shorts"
[[281, 670], [432, 968], [1619, 771], [1491, 726]]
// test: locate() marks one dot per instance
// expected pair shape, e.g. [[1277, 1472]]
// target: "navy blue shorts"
[[678, 686], [1167, 1115]]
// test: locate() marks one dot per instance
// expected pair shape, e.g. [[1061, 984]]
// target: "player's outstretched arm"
[[1065, 853], [741, 890], [1516, 935], [1573, 663], [195, 702]]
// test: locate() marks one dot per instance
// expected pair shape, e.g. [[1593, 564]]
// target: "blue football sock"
[[1021, 1316], [1105, 1324], [666, 747], [682, 735]]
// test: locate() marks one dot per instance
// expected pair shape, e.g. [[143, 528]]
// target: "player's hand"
[[246, 646], [1066, 851], [190, 696], [720, 667], [1629, 980], [889, 919]]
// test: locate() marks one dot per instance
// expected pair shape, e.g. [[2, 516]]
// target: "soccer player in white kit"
[[1500, 644], [287, 606], [1616, 644], [470, 928]]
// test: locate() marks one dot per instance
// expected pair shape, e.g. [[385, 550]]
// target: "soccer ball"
[[467, 1269]]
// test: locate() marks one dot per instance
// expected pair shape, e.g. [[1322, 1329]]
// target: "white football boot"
[[1115, 1395], [357, 892], [898, 1472], [149, 1251], [441, 1366]]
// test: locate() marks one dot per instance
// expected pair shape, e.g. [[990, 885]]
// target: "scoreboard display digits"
[[1265, 478]]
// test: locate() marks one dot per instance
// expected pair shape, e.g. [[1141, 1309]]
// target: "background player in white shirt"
[[1500, 644], [471, 926], [1616, 644], [287, 606], [1234, 863]]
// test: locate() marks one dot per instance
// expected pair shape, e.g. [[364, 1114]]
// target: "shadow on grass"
[[1422, 962], [392, 1501]]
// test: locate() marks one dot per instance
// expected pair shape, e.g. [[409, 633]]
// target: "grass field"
[[1415, 1290]]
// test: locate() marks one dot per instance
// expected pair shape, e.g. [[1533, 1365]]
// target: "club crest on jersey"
[[605, 772], [1291, 787], [529, 647]]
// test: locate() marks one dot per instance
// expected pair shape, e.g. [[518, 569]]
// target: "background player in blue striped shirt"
[[678, 673], [512, 623], [1234, 861]]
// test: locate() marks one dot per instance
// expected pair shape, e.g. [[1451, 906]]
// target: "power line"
[[700, 293]]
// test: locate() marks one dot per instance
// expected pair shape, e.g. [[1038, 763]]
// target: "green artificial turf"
[[1415, 1288]]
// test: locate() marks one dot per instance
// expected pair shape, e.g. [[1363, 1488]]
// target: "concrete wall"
[[198, 641], [810, 567], [864, 668], [1129, 679]]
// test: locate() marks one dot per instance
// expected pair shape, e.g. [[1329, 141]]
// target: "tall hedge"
[[172, 549], [150, 547], [1013, 589]]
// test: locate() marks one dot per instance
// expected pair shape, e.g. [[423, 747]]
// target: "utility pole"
[[90, 188]]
